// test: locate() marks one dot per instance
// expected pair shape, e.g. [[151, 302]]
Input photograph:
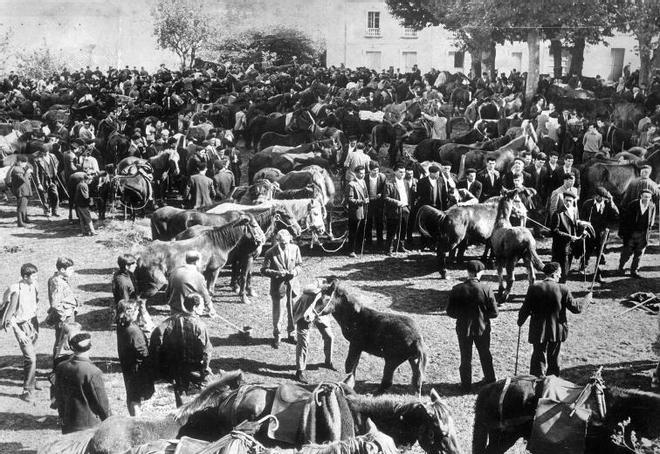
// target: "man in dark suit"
[[357, 198], [470, 183], [397, 199], [473, 304], [375, 187], [20, 177], [223, 180], [568, 168], [563, 225], [546, 302], [637, 221], [431, 191], [199, 190], [516, 168], [490, 180], [599, 211], [538, 176], [551, 181], [79, 391], [185, 280]]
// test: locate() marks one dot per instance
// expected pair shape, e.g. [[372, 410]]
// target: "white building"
[[366, 34]]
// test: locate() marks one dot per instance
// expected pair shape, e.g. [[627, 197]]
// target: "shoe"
[[26, 396], [275, 344], [635, 275], [328, 365], [600, 280], [38, 387], [301, 377], [352, 255], [291, 339]]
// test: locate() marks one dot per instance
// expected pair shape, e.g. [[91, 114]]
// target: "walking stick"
[[63, 187], [515, 369], [364, 233], [590, 294], [36, 189], [398, 233]]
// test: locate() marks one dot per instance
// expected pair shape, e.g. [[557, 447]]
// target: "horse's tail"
[[480, 429], [534, 257], [211, 395], [426, 214]]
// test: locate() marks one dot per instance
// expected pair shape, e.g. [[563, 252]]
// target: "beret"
[[434, 169], [551, 268], [373, 165], [81, 342], [475, 266]]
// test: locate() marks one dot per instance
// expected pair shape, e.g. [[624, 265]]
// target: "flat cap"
[[551, 268], [475, 266], [434, 169]]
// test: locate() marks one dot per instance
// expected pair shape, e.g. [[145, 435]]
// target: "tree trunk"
[[577, 57], [644, 42], [488, 59], [475, 63], [555, 51], [533, 64]]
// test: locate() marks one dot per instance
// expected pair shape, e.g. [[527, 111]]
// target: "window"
[[409, 32], [373, 60], [458, 57], [373, 23], [517, 60], [409, 60]]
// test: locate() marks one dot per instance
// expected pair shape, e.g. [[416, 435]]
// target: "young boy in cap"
[[473, 304], [636, 223]]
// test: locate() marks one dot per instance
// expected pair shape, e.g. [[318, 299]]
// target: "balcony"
[[373, 33], [409, 33]]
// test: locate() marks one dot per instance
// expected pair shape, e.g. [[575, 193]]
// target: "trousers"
[[355, 235], [482, 343], [30, 329], [634, 246], [277, 315], [545, 359], [302, 344]]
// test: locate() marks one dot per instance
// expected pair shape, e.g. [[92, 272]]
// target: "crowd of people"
[[179, 348]]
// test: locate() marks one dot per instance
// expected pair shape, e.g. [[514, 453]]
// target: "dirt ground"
[[404, 285]]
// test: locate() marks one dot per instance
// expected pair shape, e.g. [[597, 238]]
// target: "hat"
[[21, 158], [475, 266], [398, 165], [374, 165], [81, 342], [569, 176], [601, 191], [77, 142], [551, 268], [434, 169], [445, 163], [358, 168], [645, 166], [541, 157], [645, 190], [569, 194], [568, 156], [471, 170]]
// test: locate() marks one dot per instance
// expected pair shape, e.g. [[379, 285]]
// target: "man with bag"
[[63, 303], [20, 312]]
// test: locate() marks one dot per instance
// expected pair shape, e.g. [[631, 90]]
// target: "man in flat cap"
[[600, 211], [473, 304], [636, 223], [431, 191], [185, 280], [470, 183], [564, 228], [644, 181], [546, 303], [79, 391]]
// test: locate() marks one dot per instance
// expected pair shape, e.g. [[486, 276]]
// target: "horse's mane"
[[349, 298], [223, 235], [297, 207], [211, 396], [386, 404]]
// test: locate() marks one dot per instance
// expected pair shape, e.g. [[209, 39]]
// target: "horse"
[[102, 192], [299, 120], [504, 412], [406, 419], [163, 165], [387, 133], [259, 192], [134, 191], [285, 162], [120, 433], [113, 145], [310, 213], [160, 258], [269, 173], [268, 139], [393, 337], [510, 244], [460, 98], [243, 255]]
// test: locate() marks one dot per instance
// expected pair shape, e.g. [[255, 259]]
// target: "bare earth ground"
[[405, 285]]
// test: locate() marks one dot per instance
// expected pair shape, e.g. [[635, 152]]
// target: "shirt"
[[403, 191], [373, 186], [642, 208], [61, 295], [27, 301]]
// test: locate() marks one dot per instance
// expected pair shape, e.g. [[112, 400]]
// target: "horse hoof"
[[443, 275], [251, 294], [235, 289], [245, 300]]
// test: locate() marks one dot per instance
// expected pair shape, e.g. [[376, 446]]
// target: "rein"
[[320, 313]]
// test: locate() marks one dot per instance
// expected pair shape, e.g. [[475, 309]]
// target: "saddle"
[[289, 405], [563, 412]]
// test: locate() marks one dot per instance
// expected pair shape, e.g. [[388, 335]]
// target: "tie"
[[492, 179]]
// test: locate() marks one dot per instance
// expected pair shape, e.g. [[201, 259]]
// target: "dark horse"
[[113, 145], [241, 258], [300, 120], [504, 412], [134, 192], [407, 420], [395, 338]]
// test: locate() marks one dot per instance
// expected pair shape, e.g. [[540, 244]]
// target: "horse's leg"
[[388, 375], [488, 249], [352, 359], [531, 273], [500, 280], [244, 269], [510, 277], [235, 270], [500, 441], [460, 252], [442, 263], [416, 365]]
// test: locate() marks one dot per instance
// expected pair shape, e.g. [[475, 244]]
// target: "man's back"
[[472, 304], [80, 393]]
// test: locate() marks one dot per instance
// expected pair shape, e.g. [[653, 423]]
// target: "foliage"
[[182, 26], [272, 45], [40, 63]]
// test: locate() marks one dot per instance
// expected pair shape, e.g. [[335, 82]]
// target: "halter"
[[318, 314]]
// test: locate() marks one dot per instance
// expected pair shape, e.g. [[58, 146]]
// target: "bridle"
[[316, 313]]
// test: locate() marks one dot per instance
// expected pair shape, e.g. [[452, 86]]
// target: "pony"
[[504, 412], [269, 173], [113, 145], [299, 120], [164, 165], [134, 192], [510, 244], [268, 139], [285, 162], [159, 259], [393, 337]]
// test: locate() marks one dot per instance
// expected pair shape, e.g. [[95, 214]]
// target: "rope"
[[315, 239]]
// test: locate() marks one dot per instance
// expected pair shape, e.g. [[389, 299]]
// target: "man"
[[592, 143], [185, 280], [600, 211], [357, 198], [303, 319], [282, 264], [635, 188], [567, 169], [396, 198], [376, 188], [516, 168], [537, 172], [490, 180], [224, 180], [86, 132], [21, 185], [46, 176], [88, 163], [557, 196], [21, 316], [199, 191], [63, 302], [637, 221], [473, 304], [181, 349], [80, 396], [356, 159], [82, 202], [563, 225], [470, 183], [431, 190], [546, 302], [438, 125], [551, 181]]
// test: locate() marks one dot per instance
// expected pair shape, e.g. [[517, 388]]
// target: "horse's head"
[[315, 217], [282, 219], [149, 276], [173, 162], [326, 303], [305, 121], [512, 204], [438, 435], [252, 229]]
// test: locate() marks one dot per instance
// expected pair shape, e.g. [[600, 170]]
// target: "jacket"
[[425, 194], [224, 183], [277, 263], [599, 221], [199, 191], [489, 189], [357, 197], [475, 188], [380, 187], [631, 220], [472, 304], [183, 281], [562, 227], [123, 286], [81, 198], [80, 394], [391, 196], [546, 303], [20, 182]]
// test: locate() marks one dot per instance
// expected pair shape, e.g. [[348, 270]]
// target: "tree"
[[40, 63], [642, 19], [182, 26]]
